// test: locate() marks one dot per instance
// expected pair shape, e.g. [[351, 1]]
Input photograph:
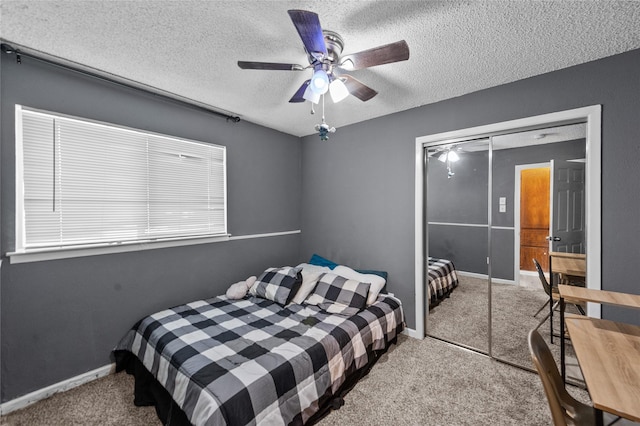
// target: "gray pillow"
[[339, 295], [277, 284]]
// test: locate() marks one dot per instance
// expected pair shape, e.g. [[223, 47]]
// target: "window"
[[82, 183]]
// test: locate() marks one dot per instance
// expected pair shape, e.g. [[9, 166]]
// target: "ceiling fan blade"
[[298, 95], [393, 52], [357, 88], [269, 66], [308, 26]]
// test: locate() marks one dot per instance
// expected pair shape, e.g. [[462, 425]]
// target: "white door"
[[567, 227]]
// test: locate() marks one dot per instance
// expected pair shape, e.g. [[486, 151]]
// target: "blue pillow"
[[321, 261], [382, 274]]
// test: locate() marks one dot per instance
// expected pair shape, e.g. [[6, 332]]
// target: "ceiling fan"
[[323, 49]]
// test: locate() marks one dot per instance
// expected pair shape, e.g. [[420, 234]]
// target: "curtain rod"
[[111, 78]]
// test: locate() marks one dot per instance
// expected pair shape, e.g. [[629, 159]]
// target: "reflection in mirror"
[[537, 191], [457, 288]]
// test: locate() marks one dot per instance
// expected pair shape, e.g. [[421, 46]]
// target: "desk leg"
[[599, 417], [562, 354], [551, 317], [550, 303]]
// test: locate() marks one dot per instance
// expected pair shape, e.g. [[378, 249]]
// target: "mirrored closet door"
[[492, 205], [457, 186], [530, 204]]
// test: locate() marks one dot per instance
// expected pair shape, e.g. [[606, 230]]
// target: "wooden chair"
[[565, 410], [545, 285], [552, 293]]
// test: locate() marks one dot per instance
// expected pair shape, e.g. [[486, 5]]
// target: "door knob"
[[550, 238]]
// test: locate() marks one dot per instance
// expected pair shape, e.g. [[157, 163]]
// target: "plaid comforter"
[[442, 279], [250, 361]]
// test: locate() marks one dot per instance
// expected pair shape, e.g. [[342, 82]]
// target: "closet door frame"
[[592, 116]]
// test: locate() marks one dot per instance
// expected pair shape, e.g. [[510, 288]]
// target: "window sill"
[[39, 255], [80, 251]]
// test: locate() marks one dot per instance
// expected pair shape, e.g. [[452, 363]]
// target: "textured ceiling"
[[190, 48]]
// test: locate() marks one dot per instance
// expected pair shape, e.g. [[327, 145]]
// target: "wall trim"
[[485, 277], [65, 385], [472, 225], [270, 234]]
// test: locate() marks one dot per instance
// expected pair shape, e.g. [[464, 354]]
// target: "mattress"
[[441, 279], [251, 361]]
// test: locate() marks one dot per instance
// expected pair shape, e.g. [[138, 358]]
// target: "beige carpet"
[[418, 382], [106, 401], [463, 318]]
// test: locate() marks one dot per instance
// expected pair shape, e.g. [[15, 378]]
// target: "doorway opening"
[[532, 221]]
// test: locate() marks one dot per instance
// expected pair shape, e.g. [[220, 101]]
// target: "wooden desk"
[[608, 353], [581, 294], [573, 264]]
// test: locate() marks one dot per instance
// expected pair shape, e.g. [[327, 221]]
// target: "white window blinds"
[[81, 182]]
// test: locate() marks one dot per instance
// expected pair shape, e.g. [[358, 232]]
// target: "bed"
[[256, 360], [442, 280]]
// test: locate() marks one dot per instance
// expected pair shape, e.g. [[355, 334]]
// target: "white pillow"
[[310, 275], [309, 281], [376, 281], [313, 268]]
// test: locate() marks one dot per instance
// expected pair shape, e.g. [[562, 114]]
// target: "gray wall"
[[358, 187], [61, 318], [463, 200], [353, 199]]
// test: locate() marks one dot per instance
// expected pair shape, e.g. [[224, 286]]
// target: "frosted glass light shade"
[[338, 90], [319, 82], [310, 95]]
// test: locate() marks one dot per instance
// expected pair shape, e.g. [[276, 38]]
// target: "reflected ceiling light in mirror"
[[448, 155]]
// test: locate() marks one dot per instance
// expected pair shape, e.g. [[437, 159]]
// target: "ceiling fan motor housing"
[[334, 44]]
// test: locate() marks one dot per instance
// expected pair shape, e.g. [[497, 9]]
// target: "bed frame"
[[149, 392]]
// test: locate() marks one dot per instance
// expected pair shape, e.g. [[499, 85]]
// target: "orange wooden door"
[[534, 217]]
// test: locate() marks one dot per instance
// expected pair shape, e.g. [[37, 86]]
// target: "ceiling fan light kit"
[[311, 95], [323, 48], [338, 90], [320, 82]]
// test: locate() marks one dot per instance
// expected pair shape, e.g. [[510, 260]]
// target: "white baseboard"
[[472, 274], [411, 333], [502, 281], [33, 397]]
